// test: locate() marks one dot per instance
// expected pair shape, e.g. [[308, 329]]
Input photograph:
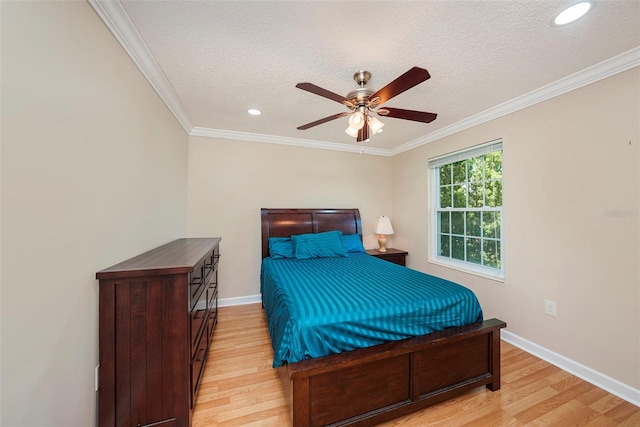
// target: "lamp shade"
[[375, 124], [356, 120], [383, 225], [351, 132]]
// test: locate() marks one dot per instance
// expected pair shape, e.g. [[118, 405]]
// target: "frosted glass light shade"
[[351, 132], [356, 120], [375, 125]]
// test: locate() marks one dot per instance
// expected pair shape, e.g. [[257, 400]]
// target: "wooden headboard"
[[287, 222]]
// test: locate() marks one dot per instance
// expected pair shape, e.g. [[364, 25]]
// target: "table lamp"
[[383, 227]]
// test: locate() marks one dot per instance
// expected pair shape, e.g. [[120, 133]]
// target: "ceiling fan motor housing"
[[360, 96]]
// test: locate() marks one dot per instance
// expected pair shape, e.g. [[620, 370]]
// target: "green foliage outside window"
[[470, 210]]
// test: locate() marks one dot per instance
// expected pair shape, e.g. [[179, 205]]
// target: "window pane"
[[445, 174], [493, 193], [445, 247], [457, 222], [493, 165], [498, 190], [457, 247], [475, 195], [473, 224], [491, 253], [489, 224], [445, 224], [459, 172], [474, 252], [475, 168], [445, 197], [459, 196]]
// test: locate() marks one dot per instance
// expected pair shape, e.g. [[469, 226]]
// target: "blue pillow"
[[280, 247], [318, 245], [353, 244]]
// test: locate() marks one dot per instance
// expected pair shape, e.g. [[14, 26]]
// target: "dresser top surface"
[[176, 257]]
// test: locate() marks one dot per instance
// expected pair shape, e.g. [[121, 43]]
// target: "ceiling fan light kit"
[[375, 124], [363, 103], [356, 120], [352, 132]]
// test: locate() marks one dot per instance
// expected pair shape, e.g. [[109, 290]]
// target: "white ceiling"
[[212, 60]]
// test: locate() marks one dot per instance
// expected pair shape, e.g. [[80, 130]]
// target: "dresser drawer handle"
[[157, 423]]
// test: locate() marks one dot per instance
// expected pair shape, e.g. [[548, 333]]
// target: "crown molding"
[[116, 19], [283, 140], [617, 64]]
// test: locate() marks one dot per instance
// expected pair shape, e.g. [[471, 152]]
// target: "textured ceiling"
[[223, 57]]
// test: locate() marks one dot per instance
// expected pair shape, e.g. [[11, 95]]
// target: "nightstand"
[[395, 256]]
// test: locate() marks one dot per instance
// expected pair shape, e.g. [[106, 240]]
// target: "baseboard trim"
[[228, 302], [613, 386]]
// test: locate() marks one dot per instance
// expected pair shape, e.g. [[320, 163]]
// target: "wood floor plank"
[[240, 388]]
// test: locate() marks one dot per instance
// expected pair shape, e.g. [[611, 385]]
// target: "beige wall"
[[93, 172], [229, 181], [568, 163]]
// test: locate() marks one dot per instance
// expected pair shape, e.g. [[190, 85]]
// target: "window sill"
[[498, 276]]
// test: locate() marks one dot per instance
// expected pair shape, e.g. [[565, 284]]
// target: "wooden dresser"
[[157, 315]]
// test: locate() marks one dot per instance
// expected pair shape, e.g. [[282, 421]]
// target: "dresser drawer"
[[211, 262], [212, 295], [197, 319], [196, 283], [395, 256], [197, 364], [212, 318], [396, 259]]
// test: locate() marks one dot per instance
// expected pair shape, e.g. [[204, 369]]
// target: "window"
[[467, 209]]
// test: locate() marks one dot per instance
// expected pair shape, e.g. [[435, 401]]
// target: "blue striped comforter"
[[322, 306]]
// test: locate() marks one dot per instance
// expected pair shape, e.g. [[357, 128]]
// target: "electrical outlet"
[[96, 376], [550, 308]]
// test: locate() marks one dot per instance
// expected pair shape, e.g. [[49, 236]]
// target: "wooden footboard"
[[379, 383]]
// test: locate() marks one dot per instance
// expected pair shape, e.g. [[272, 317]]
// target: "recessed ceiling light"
[[572, 13], [254, 112]]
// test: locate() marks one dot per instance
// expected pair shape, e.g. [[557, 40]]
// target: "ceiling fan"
[[364, 102]]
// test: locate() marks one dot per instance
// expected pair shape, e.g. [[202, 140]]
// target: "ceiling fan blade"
[[363, 134], [416, 116], [321, 121], [310, 87], [411, 78]]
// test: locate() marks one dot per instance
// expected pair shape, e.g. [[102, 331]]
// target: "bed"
[[381, 381]]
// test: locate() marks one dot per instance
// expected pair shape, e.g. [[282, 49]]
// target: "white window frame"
[[466, 266]]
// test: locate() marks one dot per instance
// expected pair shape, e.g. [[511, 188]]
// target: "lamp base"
[[382, 241]]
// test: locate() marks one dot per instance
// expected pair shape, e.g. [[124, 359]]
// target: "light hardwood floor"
[[239, 388]]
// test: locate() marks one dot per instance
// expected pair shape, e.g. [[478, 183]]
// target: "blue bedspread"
[[321, 306]]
